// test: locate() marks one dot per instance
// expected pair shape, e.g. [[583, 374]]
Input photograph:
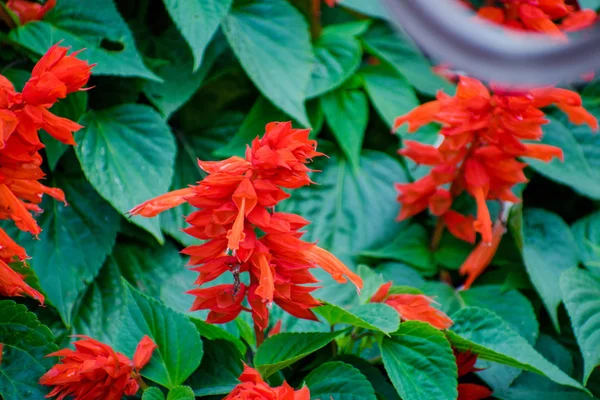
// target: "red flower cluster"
[[22, 115], [483, 136], [469, 391], [412, 307], [553, 17], [30, 10], [95, 371], [244, 233], [253, 387]]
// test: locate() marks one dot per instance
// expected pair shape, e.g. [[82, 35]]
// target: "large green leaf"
[[410, 245], [219, 371], [281, 350], [351, 210], [74, 242], [389, 91], [374, 316], [515, 309], [587, 236], [347, 114], [127, 153], [491, 338], [397, 49], [580, 170], [179, 81], [420, 363], [94, 25], [179, 345], [339, 381], [25, 343], [374, 8], [581, 293], [197, 20], [548, 250], [338, 56], [272, 42]]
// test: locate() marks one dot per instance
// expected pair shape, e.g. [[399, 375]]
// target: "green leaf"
[[103, 301], [272, 41], [491, 338], [179, 345], [420, 363], [347, 114], [74, 242], [515, 309], [339, 381], [71, 108], [127, 153], [391, 94], [373, 8], [337, 57], [181, 393], [586, 232], [197, 20], [410, 245], [351, 210], [153, 393], [580, 170], [375, 316], [399, 51], [94, 25], [25, 343], [179, 81], [549, 249], [219, 371], [581, 292], [213, 332], [281, 350]]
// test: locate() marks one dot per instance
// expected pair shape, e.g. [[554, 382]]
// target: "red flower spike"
[[244, 234], [143, 352], [481, 256], [412, 307], [95, 371], [12, 284], [253, 387], [473, 391], [28, 10]]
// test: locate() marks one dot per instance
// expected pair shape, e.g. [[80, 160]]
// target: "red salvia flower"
[[28, 10], [253, 387], [482, 140], [95, 371], [551, 17], [412, 307], [465, 361], [22, 115], [235, 202]]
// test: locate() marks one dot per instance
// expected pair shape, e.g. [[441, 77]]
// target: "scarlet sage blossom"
[[551, 17], [465, 361], [95, 371], [28, 10], [253, 387], [245, 234], [484, 135], [412, 307], [22, 115]]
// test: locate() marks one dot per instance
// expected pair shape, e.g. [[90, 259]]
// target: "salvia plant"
[[203, 199]]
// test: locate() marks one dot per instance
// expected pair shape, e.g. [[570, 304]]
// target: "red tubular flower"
[[465, 361], [28, 10], [253, 387], [483, 133], [412, 307], [235, 201], [95, 371], [22, 115], [481, 256]]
